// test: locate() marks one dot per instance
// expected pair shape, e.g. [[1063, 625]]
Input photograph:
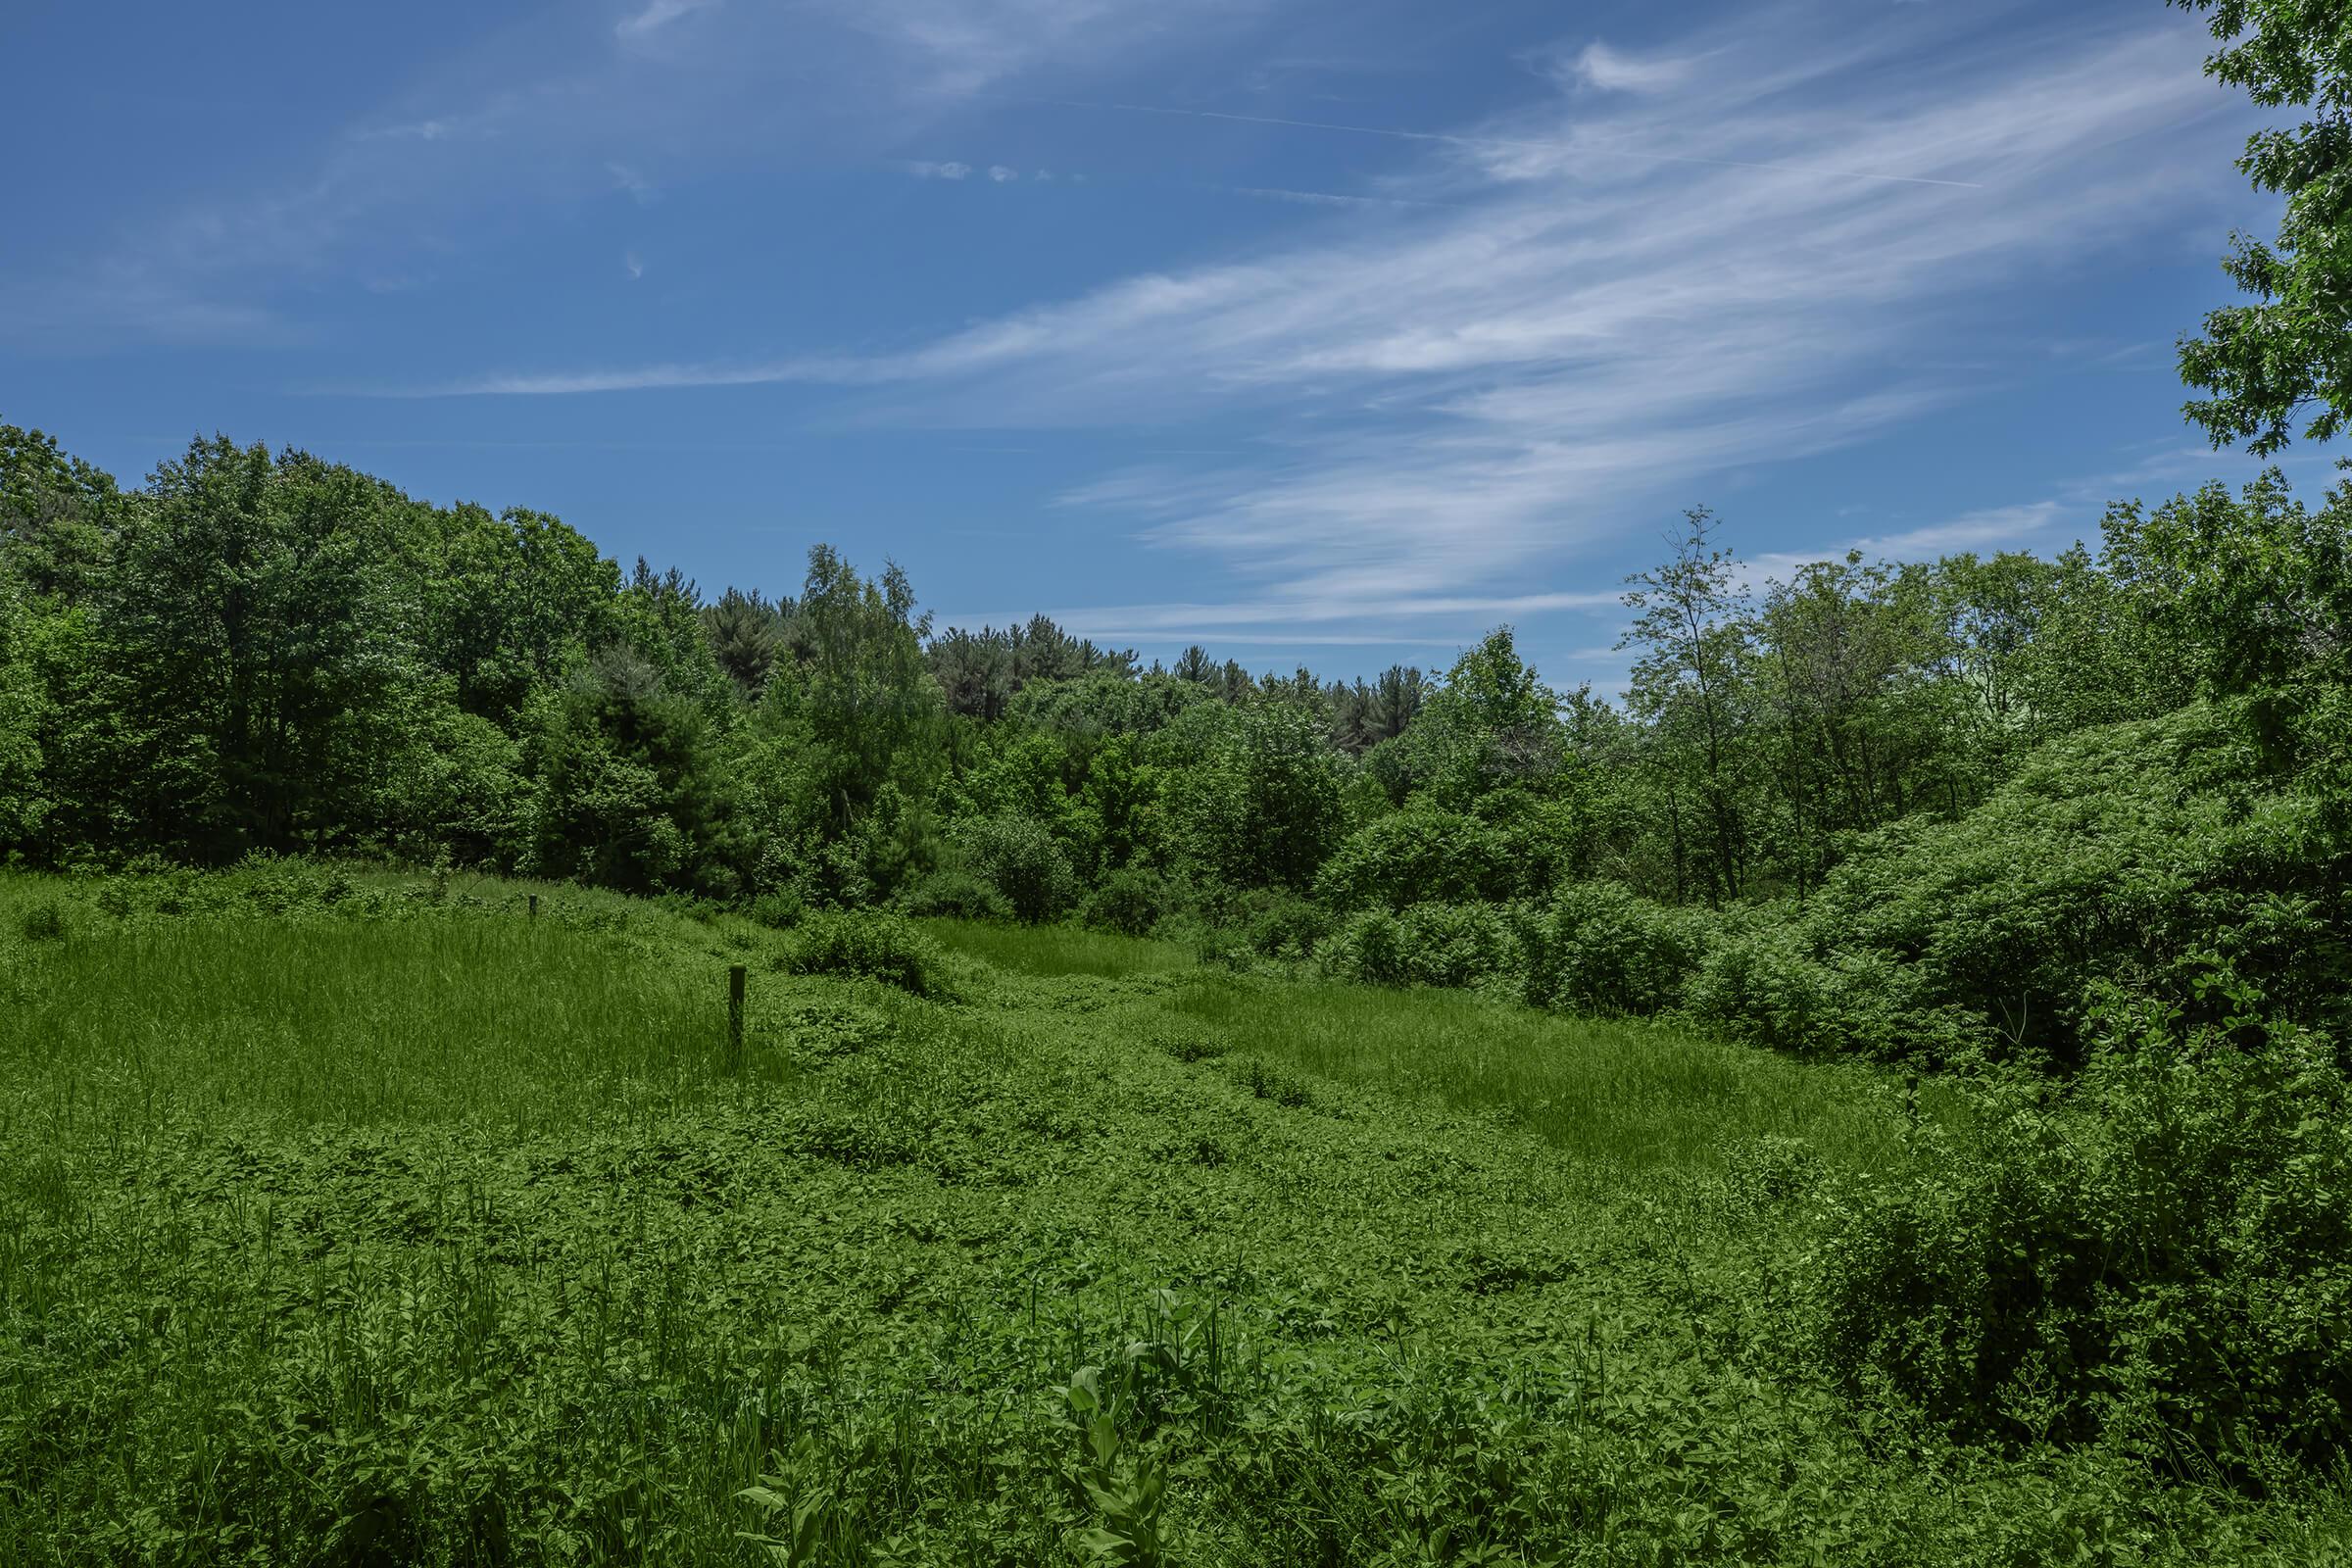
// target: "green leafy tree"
[[1689, 689], [508, 603], [1255, 793], [2269, 364], [57, 515], [253, 628], [859, 687], [2242, 596], [747, 636], [23, 702], [635, 791]]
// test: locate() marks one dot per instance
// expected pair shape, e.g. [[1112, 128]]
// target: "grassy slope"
[[432, 1233]]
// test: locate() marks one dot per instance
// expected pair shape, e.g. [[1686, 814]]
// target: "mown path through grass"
[[393, 1230]]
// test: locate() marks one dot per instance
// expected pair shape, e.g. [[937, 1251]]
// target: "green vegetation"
[[1185, 1116], [1626, 1097], [368, 1219]]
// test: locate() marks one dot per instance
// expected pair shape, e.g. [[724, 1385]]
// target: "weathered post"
[[735, 1017], [534, 905], [1911, 1099]]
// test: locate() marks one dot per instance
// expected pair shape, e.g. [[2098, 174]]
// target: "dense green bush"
[[1762, 982], [954, 891], [1427, 945], [1020, 859], [260, 883], [873, 945], [46, 921], [779, 911], [1130, 901], [2129, 852], [1597, 948], [1369, 948], [1281, 925], [1416, 857], [2163, 1259]]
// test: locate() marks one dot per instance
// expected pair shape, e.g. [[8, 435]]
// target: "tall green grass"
[[1629, 1093], [491, 1020], [1060, 950]]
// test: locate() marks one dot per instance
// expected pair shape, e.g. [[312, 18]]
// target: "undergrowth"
[[384, 1223]]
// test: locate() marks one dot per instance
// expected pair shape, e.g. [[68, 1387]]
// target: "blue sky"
[[1315, 332]]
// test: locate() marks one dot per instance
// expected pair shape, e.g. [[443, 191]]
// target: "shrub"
[[779, 911], [1765, 985], [1599, 948], [877, 945], [1416, 857], [1762, 987], [954, 891], [1021, 861], [46, 921], [1129, 902], [1461, 944], [2123, 852], [260, 883], [1427, 945], [1281, 925], [1368, 948], [2163, 1259], [283, 883]]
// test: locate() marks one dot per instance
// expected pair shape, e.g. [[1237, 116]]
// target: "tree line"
[[260, 651]]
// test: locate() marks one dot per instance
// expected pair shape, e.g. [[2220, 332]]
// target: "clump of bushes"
[[2124, 852], [779, 911], [1597, 948], [1023, 862], [1129, 902], [1420, 855], [869, 943], [1594, 948], [954, 890], [1282, 925], [46, 921], [1465, 945], [2163, 1259], [1762, 984], [260, 883]]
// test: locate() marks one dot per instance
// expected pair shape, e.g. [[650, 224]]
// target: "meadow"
[[356, 1218]]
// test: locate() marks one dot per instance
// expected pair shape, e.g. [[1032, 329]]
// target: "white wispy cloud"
[[2019, 527], [630, 265], [924, 169], [1002, 174], [657, 16], [1597, 65], [625, 177], [1644, 290], [963, 46], [1327, 198]]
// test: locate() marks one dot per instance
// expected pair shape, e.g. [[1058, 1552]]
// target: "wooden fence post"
[[534, 905], [735, 1017]]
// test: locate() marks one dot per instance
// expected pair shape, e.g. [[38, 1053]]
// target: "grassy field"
[[361, 1220]]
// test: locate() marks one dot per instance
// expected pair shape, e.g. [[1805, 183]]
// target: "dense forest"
[[1910, 810]]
